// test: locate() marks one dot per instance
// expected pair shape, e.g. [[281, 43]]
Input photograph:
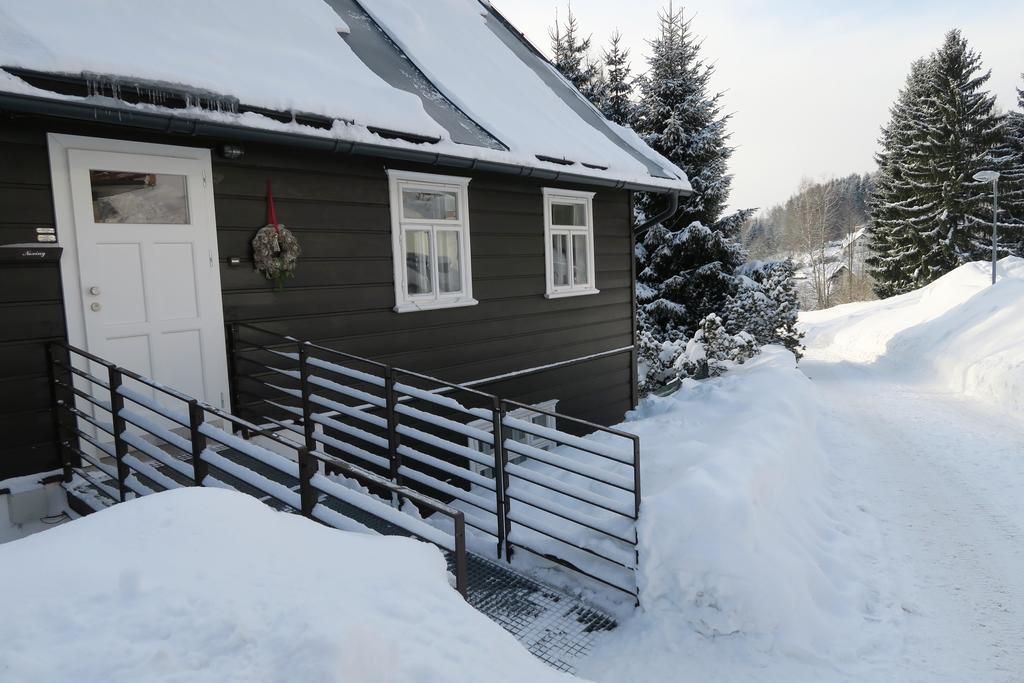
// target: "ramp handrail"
[[542, 488], [97, 419]]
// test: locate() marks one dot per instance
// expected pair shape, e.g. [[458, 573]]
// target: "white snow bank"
[[742, 541], [279, 55], [958, 334], [211, 585]]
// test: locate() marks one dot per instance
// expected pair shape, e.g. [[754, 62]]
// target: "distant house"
[[460, 208], [833, 274]]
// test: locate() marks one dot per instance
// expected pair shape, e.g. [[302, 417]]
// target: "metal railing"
[[128, 435], [523, 475]]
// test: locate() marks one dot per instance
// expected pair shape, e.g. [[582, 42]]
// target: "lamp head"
[[986, 176]]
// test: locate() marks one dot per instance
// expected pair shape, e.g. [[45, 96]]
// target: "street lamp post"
[[984, 177]]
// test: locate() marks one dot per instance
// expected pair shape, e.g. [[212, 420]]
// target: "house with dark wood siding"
[[461, 211]]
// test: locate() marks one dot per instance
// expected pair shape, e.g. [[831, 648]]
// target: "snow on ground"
[[748, 558], [858, 519], [958, 334], [210, 585]]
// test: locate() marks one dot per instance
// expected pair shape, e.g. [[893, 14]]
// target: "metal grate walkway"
[[556, 627]]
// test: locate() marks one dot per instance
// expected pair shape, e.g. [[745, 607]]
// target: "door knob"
[[95, 306], [95, 291]]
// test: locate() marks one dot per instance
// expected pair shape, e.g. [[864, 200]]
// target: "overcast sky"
[[809, 83]]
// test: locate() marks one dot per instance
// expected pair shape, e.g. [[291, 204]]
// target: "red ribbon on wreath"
[[271, 213], [275, 249]]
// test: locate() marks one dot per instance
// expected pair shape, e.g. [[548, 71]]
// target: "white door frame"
[[59, 145]]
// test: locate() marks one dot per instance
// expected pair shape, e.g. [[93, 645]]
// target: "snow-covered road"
[[944, 477]]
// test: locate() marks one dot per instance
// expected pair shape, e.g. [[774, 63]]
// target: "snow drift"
[[741, 537], [210, 585], [959, 334]]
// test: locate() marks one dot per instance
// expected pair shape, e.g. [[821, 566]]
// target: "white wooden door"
[[148, 273]]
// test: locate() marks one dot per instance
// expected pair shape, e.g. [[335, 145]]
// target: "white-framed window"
[[569, 242], [430, 241], [524, 414]]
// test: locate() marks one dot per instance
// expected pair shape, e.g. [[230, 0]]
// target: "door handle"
[[95, 291]]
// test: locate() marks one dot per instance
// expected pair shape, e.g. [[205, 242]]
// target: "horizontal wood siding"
[[31, 307], [342, 295]]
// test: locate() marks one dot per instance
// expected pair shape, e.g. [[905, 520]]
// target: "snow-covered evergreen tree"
[[616, 100], [961, 130], [686, 275], [929, 215], [679, 116], [1011, 182], [895, 212], [766, 305], [571, 56], [688, 266]]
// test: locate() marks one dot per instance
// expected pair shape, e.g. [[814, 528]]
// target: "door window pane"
[[568, 214], [449, 265], [433, 205], [418, 272], [128, 197], [580, 264], [560, 259]]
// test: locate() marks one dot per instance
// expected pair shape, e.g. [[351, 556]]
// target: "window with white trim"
[[430, 241], [569, 242], [524, 414]]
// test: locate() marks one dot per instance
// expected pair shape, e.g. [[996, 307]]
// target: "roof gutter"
[[667, 214], [178, 125]]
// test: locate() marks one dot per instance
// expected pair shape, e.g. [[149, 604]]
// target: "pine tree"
[[1010, 155], [766, 305], [894, 208], [929, 215], [961, 129], [684, 275], [571, 56], [685, 266], [680, 117], [616, 100]]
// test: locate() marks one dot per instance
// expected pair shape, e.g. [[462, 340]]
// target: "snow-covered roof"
[[472, 87]]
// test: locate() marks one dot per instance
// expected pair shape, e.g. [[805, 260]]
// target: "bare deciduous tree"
[[815, 213]]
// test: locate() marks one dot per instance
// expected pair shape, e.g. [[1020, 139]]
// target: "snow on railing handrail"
[[348, 391], [347, 371], [596, 499], [568, 465], [383, 511], [266, 456], [579, 443], [438, 421], [446, 445], [254, 479], [443, 401], [344, 447], [150, 403]]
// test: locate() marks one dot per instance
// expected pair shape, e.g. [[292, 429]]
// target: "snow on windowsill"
[[413, 306], [564, 294]]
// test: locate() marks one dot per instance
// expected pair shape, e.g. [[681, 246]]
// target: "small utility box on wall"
[[27, 505]]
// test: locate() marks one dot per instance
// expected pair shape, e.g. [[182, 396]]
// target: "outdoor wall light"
[[229, 151]]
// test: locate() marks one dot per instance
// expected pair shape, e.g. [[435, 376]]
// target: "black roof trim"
[[399, 135], [18, 103], [554, 160]]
